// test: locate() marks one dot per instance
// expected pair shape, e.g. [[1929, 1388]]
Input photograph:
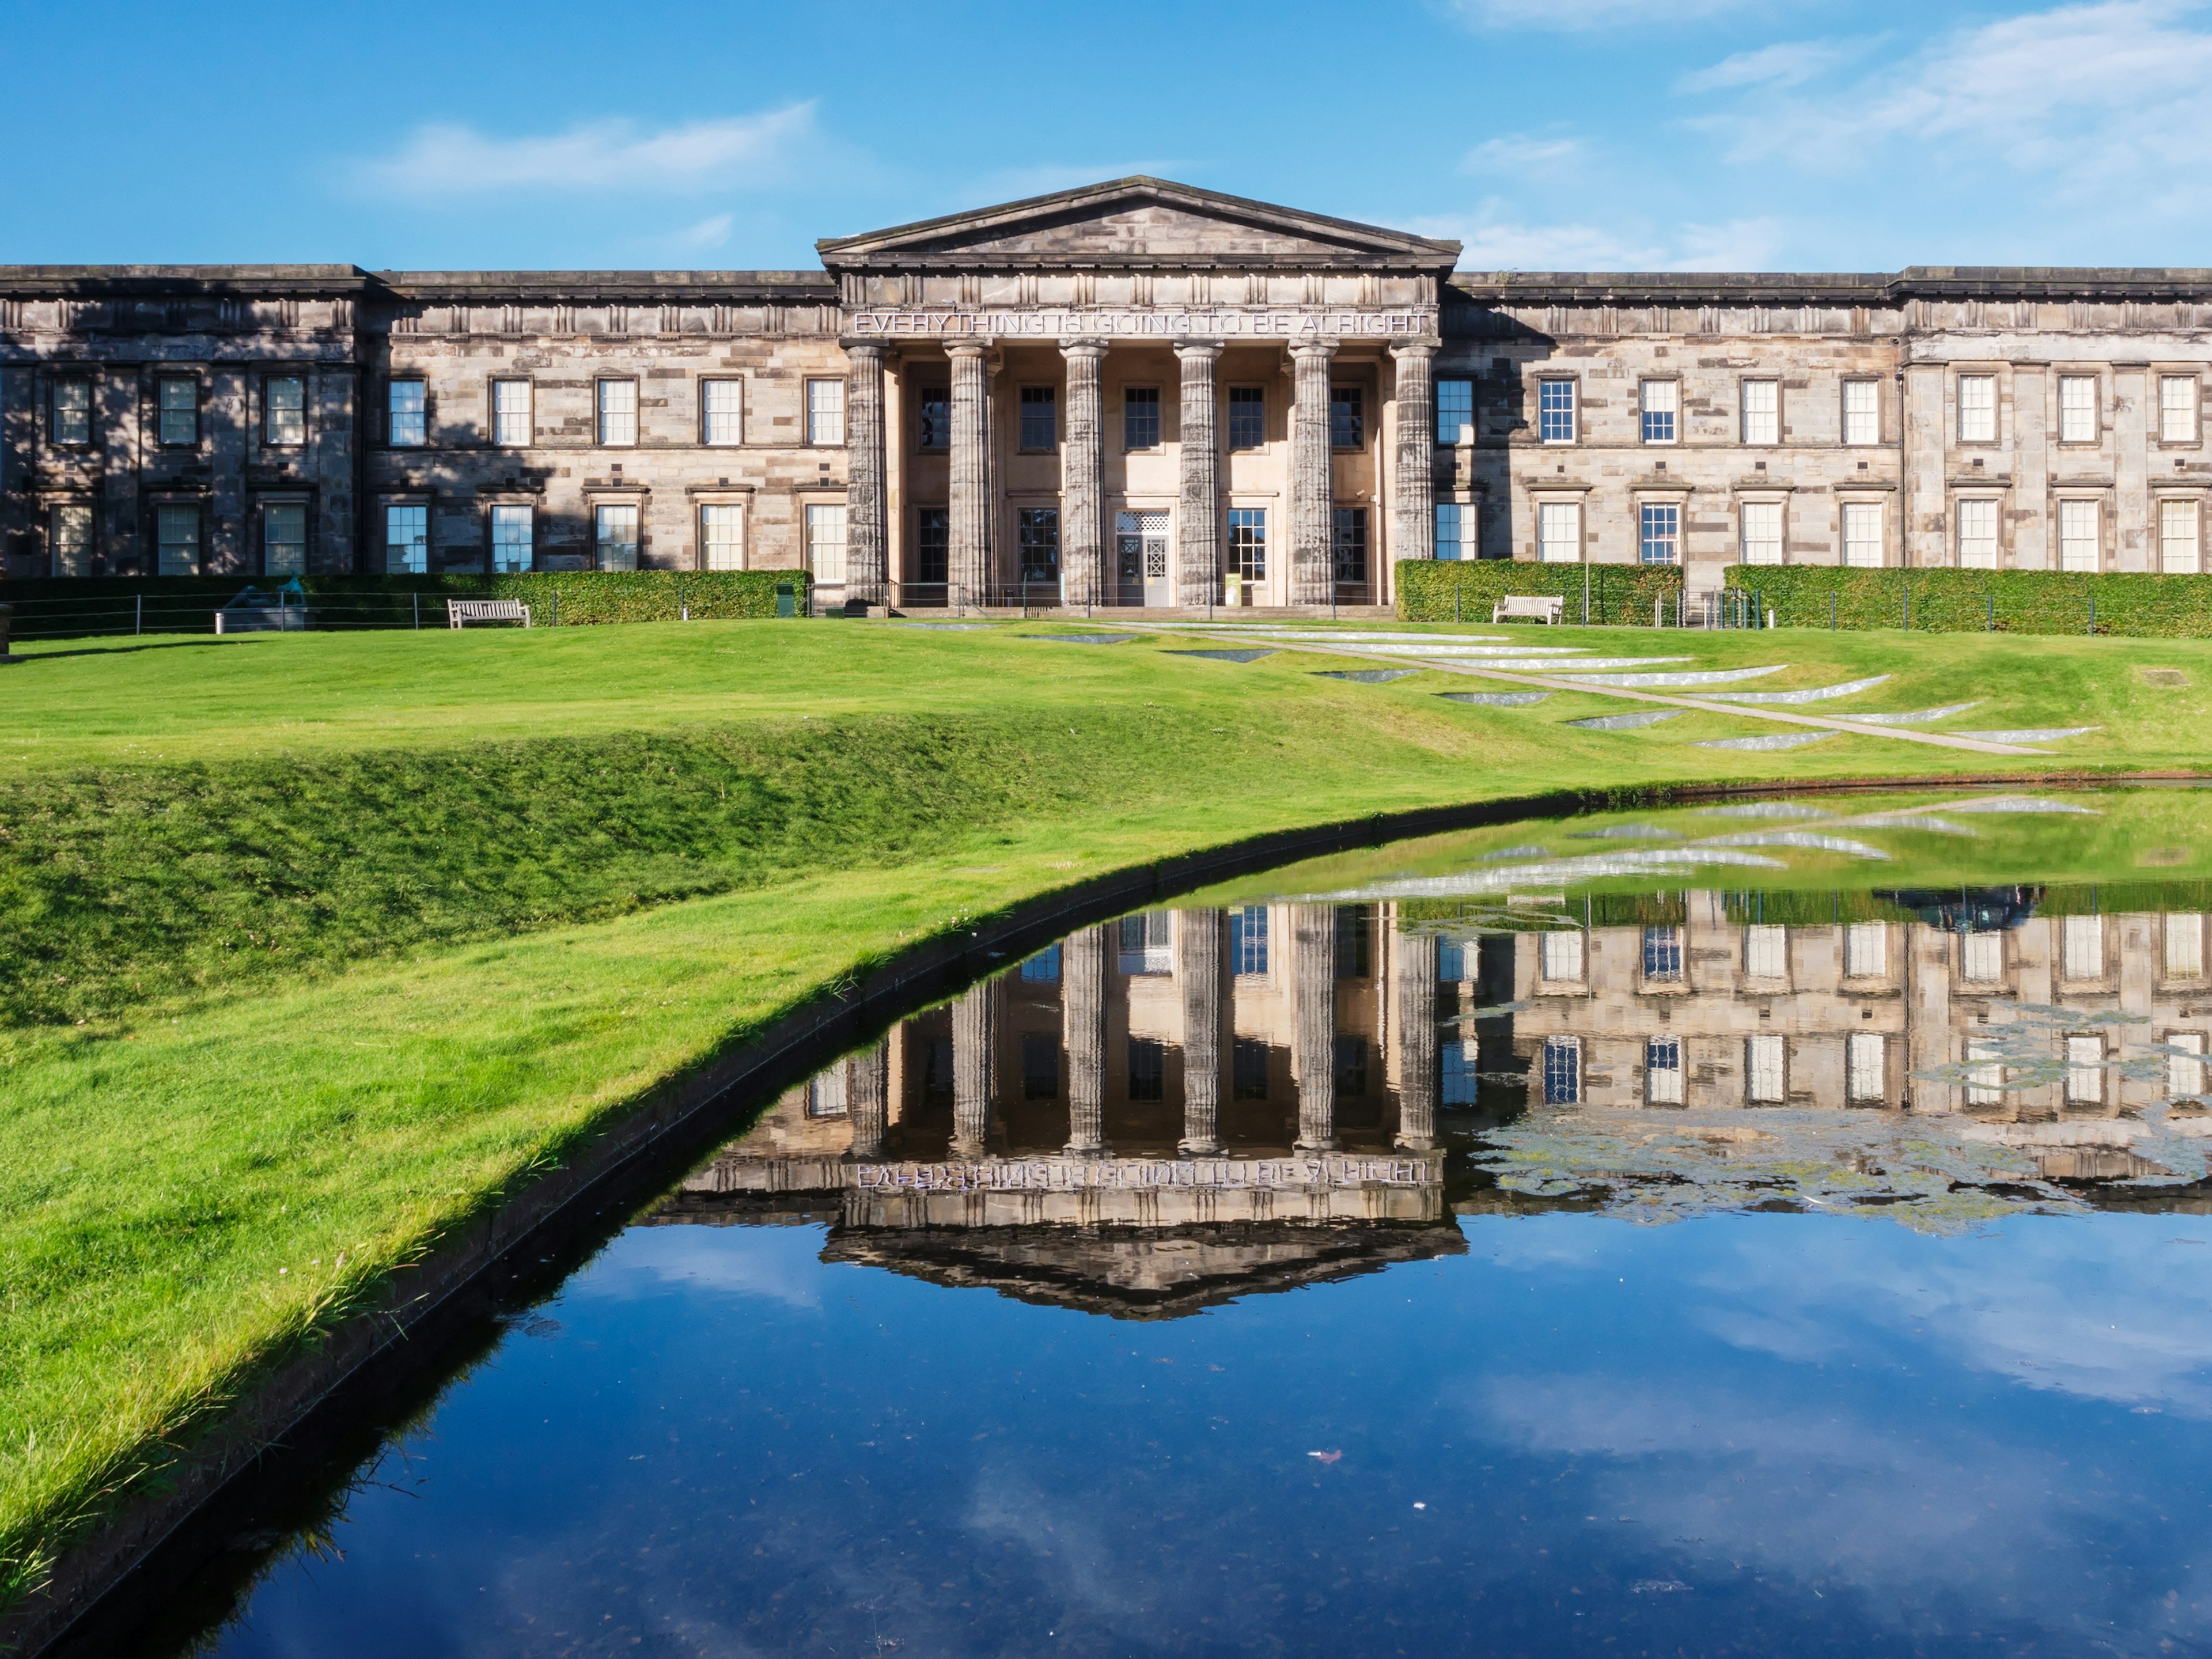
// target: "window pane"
[[1558, 533], [72, 420], [1248, 543], [1764, 1071], [513, 531], [1866, 1078], [2184, 947], [1559, 956], [1663, 1071], [1040, 1061], [1978, 535], [1862, 414], [283, 538], [1981, 958], [1766, 952], [825, 412], [617, 412], [1040, 417], [1660, 539], [2085, 947], [2177, 408], [407, 413], [1459, 1062], [722, 537], [1985, 1080], [1762, 412], [1248, 417], [2184, 1075], [1247, 939], [615, 535], [1866, 950], [1663, 953], [181, 410], [2085, 1071], [825, 544], [1348, 543], [1661, 400], [1978, 409], [1247, 1069], [2177, 537], [72, 540], [1347, 426], [284, 409], [1863, 546], [2077, 536], [177, 538], [1450, 530], [1562, 1070], [1141, 417], [1762, 532], [511, 419], [721, 405], [932, 543], [935, 405], [1455, 410], [1039, 528], [406, 540], [2077, 409], [1042, 969], [1555, 411]]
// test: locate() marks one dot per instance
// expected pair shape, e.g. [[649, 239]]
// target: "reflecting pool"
[[1773, 1226]]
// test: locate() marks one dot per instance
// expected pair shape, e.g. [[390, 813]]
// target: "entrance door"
[[1142, 558]]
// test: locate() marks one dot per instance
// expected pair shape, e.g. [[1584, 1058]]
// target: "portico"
[[1140, 395]]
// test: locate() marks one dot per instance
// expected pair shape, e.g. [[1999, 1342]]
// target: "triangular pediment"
[[1136, 222]]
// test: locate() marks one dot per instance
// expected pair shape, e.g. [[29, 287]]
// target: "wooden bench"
[[1529, 607], [459, 612]]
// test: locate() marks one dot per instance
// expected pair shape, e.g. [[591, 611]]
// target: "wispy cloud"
[[1521, 153], [710, 232], [449, 161], [1014, 184], [1786, 63], [1496, 239]]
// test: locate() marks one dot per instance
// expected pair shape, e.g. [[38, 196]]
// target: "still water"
[[1765, 1228]]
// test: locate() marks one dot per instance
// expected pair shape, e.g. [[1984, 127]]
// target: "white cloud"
[[781, 1263], [1583, 13], [1520, 152], [1494, 238], [1016, 184], [446, 161], [1787, 63], [710, 232]]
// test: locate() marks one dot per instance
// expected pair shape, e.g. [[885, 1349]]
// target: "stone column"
[[1417, 1041], [867, 1098], [975, 1053], [1198, 973], [968, 554], [1198, 519], [1083, 1016], [1313, 994], [867, 539], [1083, 479], [1313, 562], [1413, 511]]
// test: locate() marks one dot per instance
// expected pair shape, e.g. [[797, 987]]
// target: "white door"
[[1142, 563], [1159, 586]]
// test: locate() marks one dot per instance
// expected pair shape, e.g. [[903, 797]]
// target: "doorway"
[[1140, 544]]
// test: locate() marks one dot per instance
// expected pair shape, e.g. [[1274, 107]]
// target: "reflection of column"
[[1083, 1014], [1417, 1041], [1313, 561], [867, 1098], [866, 540], [968, 522], [974, 1040], [1198, 522], [1414, 514], [1083, 479], [1198, 969], [1313, 992]]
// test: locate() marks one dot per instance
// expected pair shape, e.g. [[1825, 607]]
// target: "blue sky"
[[1545, 133]]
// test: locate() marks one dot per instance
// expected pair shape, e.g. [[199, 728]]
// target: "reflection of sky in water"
[[1741, 1432]]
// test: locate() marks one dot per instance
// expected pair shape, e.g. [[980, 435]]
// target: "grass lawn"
[[314, 945]]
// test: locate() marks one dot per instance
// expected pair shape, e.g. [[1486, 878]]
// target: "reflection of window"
[[71, 419], [937, 1070], [2184, 947], [1763, 1067], [283, 538], [618, 412], [284, 409], [406, 540], [1042, 969], [1662, 1071], [1141, 417], [2077, 409], [1766, 952], [71, 543], [825, 412], [1663, 953], [1978, 409], [2085, 947], [1865, 1069], [2085, 1071], [1351, 1068], [933, 545], [1247, 939], [512, 426], [1248, 1068], [1347, 535], [1984, 1078], [1451, 530], [407, 411], [512, 529], [722, 535], [2177, 409], [1355, 941], [1559, 956], [1148, 1069], [1040, 429], [1347, 424], [1459, 1077], [2184, 1075], [721, 412], [1555, 411], [1981, 957], [826, 1094], [1039, 530], [935, 403], [1762, 412], [1866, 950], [177, 540], [1862, 415], [1147, 943], [1562, 1070], [1040, 1065], [1455, 410], [615, 534], [1248, 417], [1661, 401], [180, 411], [1451, 962], [1661, 538], [1248, 543], [825, 543]]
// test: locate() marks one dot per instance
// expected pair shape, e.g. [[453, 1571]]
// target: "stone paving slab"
[[1366, 676], [1810, 694], [1626, 722], [1495, 699], [1693, 676], [1080, 639], [1917, 716], [1773, 740], [1224, 656], [2032, 734], [1768, 809], [1552, 664]]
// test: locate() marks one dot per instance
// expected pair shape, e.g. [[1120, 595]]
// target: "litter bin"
[[787, 604]]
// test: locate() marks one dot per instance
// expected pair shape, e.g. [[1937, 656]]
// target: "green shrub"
[[1974, 601], [1464, 589]]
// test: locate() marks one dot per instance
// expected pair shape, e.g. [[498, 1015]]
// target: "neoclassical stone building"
[[1134, 393]]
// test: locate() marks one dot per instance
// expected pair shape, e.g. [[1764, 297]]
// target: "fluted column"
[[968, 527], [975, 1053], [1198, 973], [1313, 993], [1197, 521], [1413, 508], [1083, 479], [867, 539], [867, 1098], [1417, 1041], [1313, 564], [1083, 1016]]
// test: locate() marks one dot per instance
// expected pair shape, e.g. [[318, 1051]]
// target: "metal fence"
[[254, 611]]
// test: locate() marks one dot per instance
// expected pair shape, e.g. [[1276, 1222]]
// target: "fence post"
[[138, 621], [1459, 586], [418, 608], [1831, 613], [1992, 627], [2092, 614], [1908, 607]]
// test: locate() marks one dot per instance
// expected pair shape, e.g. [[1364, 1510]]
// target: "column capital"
[[967, 351], [1417, 349], [1094, 350], [1198, 351], [866, 350], [1309, 349]]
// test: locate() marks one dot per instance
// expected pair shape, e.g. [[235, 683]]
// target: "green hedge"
[[1974, 601], [48, 607], [1464, 589]]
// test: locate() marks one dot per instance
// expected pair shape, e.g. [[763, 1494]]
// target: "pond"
[[1778, 1226]]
